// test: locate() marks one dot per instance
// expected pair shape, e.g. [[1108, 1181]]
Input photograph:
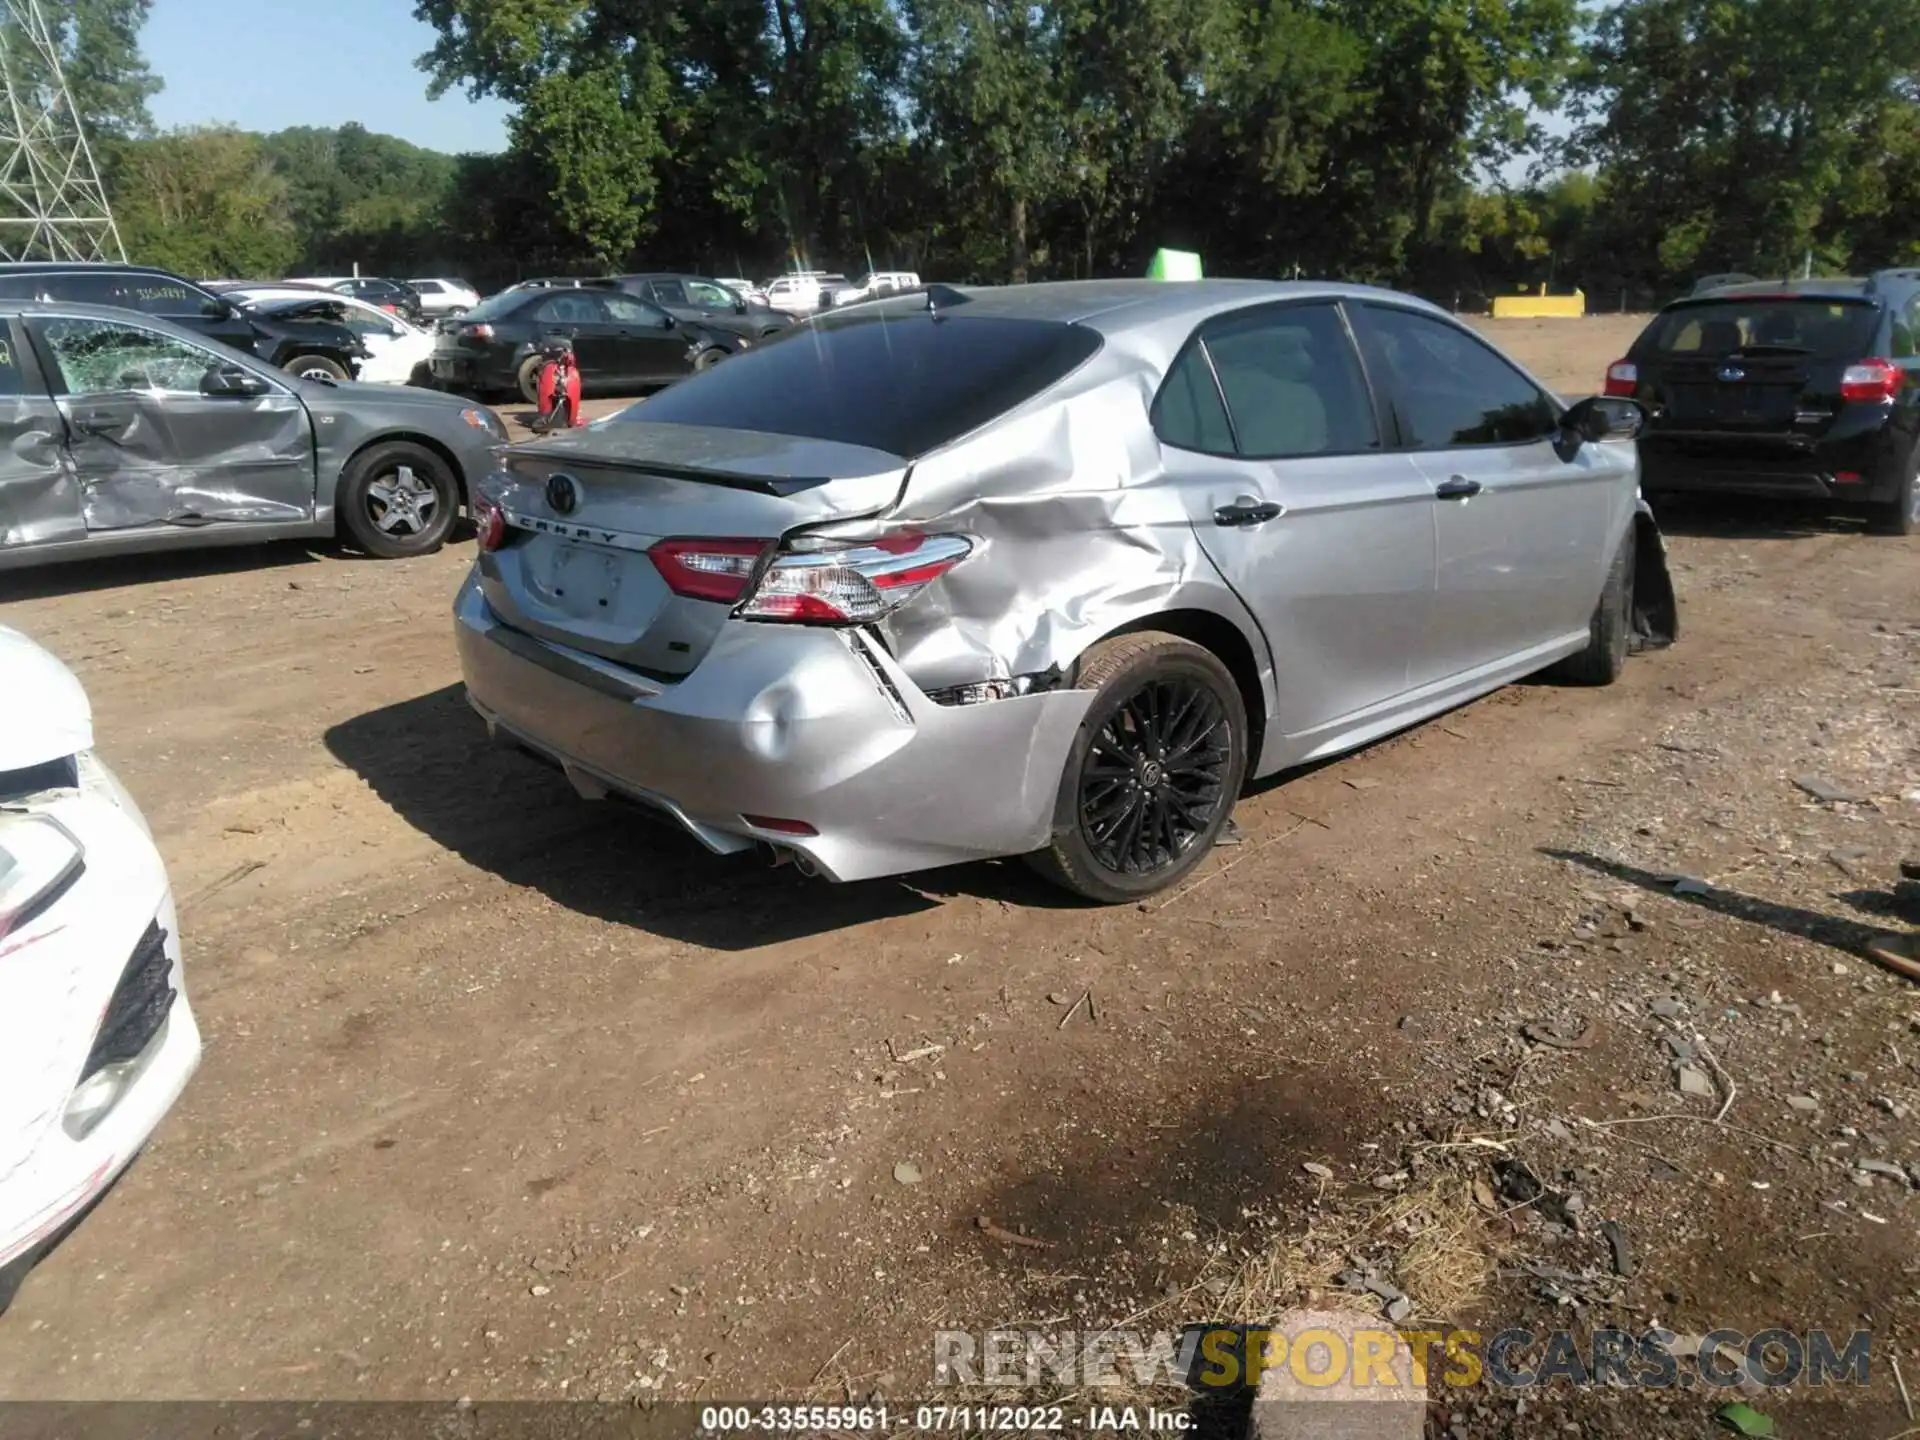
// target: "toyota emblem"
[[563, 494]]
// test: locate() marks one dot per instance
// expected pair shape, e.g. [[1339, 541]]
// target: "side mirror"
[[739, 307], [1604, 417], [214, 307], [230, 382], [667, 322]]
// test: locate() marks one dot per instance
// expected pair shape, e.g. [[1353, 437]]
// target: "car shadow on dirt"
[[506, 812], [1710, 517], [109, 572], [1848, 935]]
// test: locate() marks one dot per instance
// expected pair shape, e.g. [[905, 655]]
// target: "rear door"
[[148, 447], [1267, 422], [40, 501], [1521, 533]]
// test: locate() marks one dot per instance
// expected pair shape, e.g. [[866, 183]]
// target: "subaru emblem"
[[563, 493], [1732, 373]]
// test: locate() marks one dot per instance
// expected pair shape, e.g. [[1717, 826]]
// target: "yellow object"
[[1540, 307]]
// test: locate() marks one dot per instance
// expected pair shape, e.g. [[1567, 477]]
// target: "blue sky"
[[268, 64]]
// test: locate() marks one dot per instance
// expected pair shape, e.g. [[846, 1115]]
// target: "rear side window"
[[1449, 387], [905, 385], [1188, 412], [151, 294], [566, 307], [1824, 328], [1293, 383], [668, 292]]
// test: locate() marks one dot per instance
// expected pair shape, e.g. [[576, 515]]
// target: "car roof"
[[1116, 306], [43, 267]]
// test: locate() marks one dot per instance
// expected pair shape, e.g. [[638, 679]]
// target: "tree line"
[[1456, 147]]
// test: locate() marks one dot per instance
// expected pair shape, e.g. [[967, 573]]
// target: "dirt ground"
[[511, 1095]]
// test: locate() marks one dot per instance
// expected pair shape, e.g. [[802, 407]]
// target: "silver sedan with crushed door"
[[1050, 570]]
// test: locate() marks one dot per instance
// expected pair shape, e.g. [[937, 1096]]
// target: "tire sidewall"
[[312, 366], [527, 379], [1182, 660], [357, 522]]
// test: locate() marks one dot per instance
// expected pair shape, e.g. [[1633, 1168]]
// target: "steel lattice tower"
[[52, 204]]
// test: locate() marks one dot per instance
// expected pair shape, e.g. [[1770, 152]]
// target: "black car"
[[122, 432], [696, 297], [312, 348], [1802, 388], [621, 342]]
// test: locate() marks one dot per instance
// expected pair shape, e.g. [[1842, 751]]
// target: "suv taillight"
[[840, 584], [1623, 378], [1870, 381]]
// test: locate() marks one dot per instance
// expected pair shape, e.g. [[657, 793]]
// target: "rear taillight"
[[489, 524], [853, 584], [1623, 378], [476, 331], [837, 585], [1870, 381], [707, 569]]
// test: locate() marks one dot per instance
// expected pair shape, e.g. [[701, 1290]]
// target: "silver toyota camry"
[[1049, 570]]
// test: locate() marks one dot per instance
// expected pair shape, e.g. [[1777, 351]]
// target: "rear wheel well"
[[407, 437], [1222, 637]]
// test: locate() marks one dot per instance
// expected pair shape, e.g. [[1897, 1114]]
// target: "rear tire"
[[1153, 773], [1900, 515], [528, 379], [1610, 631], [398, 499], [708, 358], [315, 367]]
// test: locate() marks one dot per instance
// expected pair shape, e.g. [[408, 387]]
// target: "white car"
[[801, 293], [879, 282], [444, 297], [745, 289], [96, 1038], [395, 349]]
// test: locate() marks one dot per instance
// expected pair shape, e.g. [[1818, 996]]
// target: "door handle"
[[1458, 487], [101, 422], [1248, 511]]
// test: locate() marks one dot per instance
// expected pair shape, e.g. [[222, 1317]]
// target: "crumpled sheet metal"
[[39, 491], [1083, 538], [142, 475]]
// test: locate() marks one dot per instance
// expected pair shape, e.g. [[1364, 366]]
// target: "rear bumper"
[[1780, 467], [466, 370], [792, 722]]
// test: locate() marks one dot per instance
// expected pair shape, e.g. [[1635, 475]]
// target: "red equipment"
[[558, 401]]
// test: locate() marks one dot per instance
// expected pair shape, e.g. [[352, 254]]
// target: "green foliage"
[[205, 202]]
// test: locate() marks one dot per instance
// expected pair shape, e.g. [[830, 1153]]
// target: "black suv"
[[1798, 388], [695, 297], [317, 349]]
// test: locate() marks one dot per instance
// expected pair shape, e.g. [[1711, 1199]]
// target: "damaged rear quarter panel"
[[1080, 534]]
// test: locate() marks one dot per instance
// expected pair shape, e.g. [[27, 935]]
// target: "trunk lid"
[[575, 571], [1761, 365]]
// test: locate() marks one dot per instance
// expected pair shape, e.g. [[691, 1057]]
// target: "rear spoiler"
[[726, 479]]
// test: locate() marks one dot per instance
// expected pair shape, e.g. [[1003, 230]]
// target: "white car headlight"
[[38, 858]]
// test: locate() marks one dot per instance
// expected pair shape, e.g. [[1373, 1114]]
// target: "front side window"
[[705, 292], [1292, 382], [1449, 387], [101, 357], [628, 311]]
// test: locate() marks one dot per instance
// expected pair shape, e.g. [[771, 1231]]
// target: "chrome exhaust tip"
[[774, 855]]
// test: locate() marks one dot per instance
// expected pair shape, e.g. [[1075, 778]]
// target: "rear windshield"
[[496, 306], [905, 384], [1822, 327]]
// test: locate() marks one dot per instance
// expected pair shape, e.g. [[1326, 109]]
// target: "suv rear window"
[[1820, 326], [905, 384]]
